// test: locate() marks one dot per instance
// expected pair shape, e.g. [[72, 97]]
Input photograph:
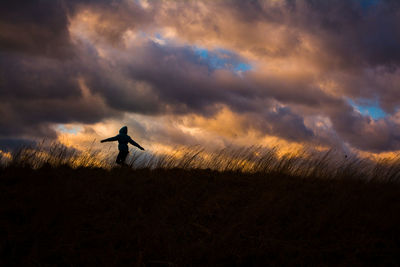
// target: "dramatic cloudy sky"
[[216, 73]]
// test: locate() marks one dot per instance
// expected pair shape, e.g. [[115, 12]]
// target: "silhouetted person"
[[123, 139]]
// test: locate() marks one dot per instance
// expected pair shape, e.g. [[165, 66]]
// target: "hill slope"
[[82, 217]]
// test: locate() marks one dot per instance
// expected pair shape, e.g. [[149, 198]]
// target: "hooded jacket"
[[123, 139]]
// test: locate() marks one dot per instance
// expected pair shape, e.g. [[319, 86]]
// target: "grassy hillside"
[[87, 216]]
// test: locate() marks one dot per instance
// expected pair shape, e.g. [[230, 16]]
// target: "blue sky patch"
[[71, 130], [243, 67], [222, 59], [368, 108], [366, 4], [214, 59]]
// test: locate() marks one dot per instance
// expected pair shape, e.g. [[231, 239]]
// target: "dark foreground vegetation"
[[158, 217]]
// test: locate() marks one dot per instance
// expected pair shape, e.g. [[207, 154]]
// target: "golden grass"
[[327, 164]]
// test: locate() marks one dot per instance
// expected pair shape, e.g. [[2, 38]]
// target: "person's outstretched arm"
[[135, 144], [110, 139]]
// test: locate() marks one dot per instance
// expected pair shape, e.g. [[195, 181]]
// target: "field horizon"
[[311, 163]]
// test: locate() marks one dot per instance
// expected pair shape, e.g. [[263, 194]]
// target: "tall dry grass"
[[329, 164], [55, 154]]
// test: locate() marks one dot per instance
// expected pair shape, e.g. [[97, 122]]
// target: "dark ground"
[[94, 217]]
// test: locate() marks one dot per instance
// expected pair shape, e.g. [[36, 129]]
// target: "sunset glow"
[[290, 74]]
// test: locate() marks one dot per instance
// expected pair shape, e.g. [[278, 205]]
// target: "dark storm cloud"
[[281, 122], [36, 27], [27, 77], [284, 123], [359, 42], [356, 35], [351, 34], [40, 71], [152, 79], [177, 78], [365, 133], [48, 76], [7, 144], [39, 91], [40, 27]]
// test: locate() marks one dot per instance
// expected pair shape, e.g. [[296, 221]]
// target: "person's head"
[[123, 130]]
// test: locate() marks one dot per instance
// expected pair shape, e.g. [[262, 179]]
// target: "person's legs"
[[121, 157]]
